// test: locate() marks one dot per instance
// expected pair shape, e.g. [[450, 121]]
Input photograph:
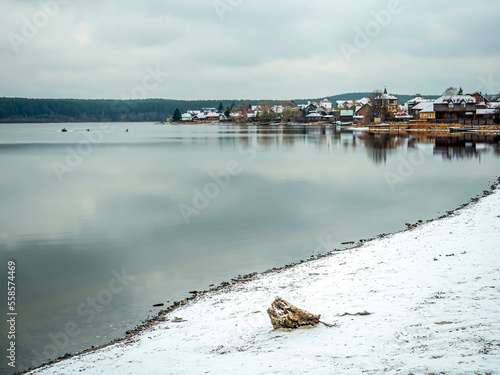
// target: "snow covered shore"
[[433, 292]]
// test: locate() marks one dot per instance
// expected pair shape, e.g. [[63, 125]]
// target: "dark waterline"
[[102, 224]]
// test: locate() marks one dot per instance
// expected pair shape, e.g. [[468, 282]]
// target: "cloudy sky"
[[251, 49]]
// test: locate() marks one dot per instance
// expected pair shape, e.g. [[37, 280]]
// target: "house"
[[312, 107], [212, 116], [199, 117], [314, 116], [455, 106], [347, 115], [187, 117], [415, 107], [208, 110], [326, 104], [363, 101], [278, 109], [364, 110], [256, 109], [318, 108], [487, 113], [350, 104], [345, 104], [402, 112], [428, 112], [481, 100], [388, 102], [490, 112], [412, 103], [415, 111]]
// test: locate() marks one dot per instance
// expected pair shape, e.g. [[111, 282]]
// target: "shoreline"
[[235, 286]]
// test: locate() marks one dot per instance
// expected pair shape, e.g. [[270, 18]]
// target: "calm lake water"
[[104, 224]]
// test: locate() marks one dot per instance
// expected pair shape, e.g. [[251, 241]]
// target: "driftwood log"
[[283, 315]]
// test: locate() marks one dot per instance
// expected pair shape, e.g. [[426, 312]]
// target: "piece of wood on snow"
[[284, 315]]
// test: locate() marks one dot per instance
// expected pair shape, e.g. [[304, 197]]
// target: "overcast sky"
[[246, 49]]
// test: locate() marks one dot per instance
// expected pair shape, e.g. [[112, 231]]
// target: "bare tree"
[[346, 105], [290, 114], [288, 104], [265, 106], [244, 108], [450, 91], [267, 113], [376, 110]]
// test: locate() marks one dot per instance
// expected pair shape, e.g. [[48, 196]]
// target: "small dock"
[[462, 130]]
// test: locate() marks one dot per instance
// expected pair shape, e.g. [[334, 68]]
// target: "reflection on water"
[[466, 146], [97, 249]]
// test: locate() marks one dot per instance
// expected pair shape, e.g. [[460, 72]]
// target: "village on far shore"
[[453, 108]]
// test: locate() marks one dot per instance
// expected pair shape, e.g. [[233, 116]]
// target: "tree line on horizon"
[[111, 110], [98, 110]]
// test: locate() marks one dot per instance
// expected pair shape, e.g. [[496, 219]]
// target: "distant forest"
[[102, 110]]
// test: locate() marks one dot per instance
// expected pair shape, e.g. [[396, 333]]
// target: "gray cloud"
[[252, 49]]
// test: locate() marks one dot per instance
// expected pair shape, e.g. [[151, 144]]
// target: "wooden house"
[[455, 106], [390, 102], [428, 113]]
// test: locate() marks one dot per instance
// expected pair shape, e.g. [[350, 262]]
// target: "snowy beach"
[[432, 294]]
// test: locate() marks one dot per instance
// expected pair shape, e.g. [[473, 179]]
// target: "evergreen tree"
[[221, 107], [177, 115], [460, 92]]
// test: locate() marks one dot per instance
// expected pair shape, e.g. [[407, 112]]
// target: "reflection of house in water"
[[380, 144], [278, 136], [466, 146]]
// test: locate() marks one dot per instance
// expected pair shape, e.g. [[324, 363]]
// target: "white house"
[[213, 116], [199, 117], [187, 117], [326, 104], [278, 109], [208, 110]]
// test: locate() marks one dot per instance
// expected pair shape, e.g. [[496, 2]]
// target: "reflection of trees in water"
[[496, 148], [379, 145], [271, 136]]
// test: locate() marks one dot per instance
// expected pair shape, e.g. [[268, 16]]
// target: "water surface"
[[103, 224]]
